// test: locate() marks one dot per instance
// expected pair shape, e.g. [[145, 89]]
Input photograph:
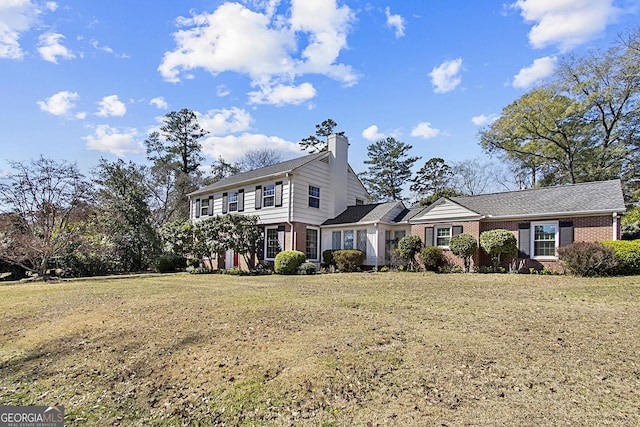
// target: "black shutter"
[[455, 230], [428, 236], [524, 240], [225, 202], [258, 203], [566, 233], [240, 200], [197, 208], [278, 193], [211, 205]]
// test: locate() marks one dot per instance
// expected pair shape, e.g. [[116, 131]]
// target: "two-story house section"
[[291, 198]]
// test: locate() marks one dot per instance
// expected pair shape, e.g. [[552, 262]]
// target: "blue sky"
[[81, 80]]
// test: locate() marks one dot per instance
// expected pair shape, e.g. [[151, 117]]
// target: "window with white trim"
[[314, 197], [312, 245], [443, 236], [544, 239], [336, 240], [268, 195], [361, 238], [204, 207], [272, 243], [233, 201], [347, 236]]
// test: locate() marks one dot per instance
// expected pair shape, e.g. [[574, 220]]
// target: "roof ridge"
[[525, 190]]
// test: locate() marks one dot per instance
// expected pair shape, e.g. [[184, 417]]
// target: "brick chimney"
[[338, 170]]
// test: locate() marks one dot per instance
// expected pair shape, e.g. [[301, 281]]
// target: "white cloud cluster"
[[111, 106], [225, 121], [566, 23], [159, 103], [16, 17], [372, 133], [484, 119], [539, 70], [112, 140], [50, 47], [396, 22], [424, 130], [232, 147], [446, 76], [59, 104], [265, 46]]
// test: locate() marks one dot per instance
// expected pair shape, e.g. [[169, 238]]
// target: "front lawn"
[[326, 350]]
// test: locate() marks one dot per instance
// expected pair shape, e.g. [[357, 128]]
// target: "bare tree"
[[38, 200], [259, 158]]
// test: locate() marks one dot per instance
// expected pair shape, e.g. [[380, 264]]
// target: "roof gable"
[[366, 214], [445, 210]]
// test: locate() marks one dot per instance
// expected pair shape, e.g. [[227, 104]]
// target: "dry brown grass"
[[341, 349]]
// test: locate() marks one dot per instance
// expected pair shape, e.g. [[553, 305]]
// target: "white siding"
[[355, 190], [315, 174], [446, 211]]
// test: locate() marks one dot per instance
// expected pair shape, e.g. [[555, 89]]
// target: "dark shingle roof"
[[279, 168], [589, 197], [363, 213]]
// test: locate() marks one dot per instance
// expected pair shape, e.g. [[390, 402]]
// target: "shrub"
[[327, 258], [497, 243], [588, 259], [463, 246], [169, 263], [287, 262], [408, 248], [431, 257], [628, 255], [630, 231], [348, 260], [307, 268]]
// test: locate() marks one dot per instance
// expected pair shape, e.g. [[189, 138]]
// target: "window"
[[443, 236], [272, 243], [312, 244], [348, 239], [361, 237], [359, 202], [268, 195], [545, 239], [314, 197], [204, 207], [336, 239], [233, 202]]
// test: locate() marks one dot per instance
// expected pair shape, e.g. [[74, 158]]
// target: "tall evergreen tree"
[[313, 143], [389, 168]]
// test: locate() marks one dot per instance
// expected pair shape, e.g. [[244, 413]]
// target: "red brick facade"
[[585, 229]]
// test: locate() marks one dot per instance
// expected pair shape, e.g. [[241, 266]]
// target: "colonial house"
[[316, 202]]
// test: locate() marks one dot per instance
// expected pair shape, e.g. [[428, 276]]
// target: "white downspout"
[[615, 226], [376, 245], [290, 212]]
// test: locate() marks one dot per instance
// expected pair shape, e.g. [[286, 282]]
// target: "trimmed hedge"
[[287, 262], [348, 260], [589, 259], [307, 268], [628, 255], [431, 257], [327, 258], [169, 263]]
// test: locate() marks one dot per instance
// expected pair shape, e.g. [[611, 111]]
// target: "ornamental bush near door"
[[287, 262]]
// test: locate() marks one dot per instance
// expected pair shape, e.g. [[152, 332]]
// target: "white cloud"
[[112, 140], [540, 69], [424, 130], [446, 76], [282, 94], [566, 23], [16, 17], [222, 122], [222, 90], [372, 134], [111, 106], [396, 22], [269, 48], [483, 119], [50, 48], [232, 147], [159, 103], [59, 104]]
